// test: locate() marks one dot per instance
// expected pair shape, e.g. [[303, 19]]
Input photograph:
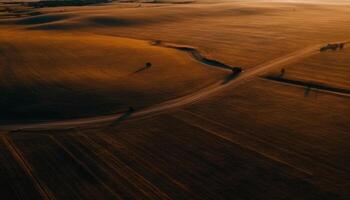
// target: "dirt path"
[[175, 103]]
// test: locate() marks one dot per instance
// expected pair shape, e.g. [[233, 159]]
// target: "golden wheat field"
[[175, 99]]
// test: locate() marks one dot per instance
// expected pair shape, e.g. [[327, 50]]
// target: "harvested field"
[[55, 76], [175, 100], [237, 33], [147, 163], [329, 68], [16, 180], [317, 145]]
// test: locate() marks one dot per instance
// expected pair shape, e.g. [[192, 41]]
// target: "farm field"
[[144, 163], [175, 100], [316, 145], [330, 68], [241, 34], [242, 38], [61, 76]]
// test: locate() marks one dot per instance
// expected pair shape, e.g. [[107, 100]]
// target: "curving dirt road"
[[171, 104]]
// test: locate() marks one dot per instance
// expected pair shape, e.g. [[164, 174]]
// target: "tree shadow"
[[140, 70], [229, 78], [307, 91], [147, 66]]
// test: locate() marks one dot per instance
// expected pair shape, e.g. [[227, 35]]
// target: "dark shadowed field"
[[138, 100]]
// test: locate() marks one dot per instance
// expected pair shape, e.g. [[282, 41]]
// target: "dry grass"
[[149, 160], [309, 133], [67, 75], [241, 34], [15, 181], [258, 140], [330, 68]]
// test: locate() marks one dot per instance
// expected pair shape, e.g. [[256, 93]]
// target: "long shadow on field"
[[140, 70], [55, 101], [91, 21], [114, 21], [43, 19], [229, 78]]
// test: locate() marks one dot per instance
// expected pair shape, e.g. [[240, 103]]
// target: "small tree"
[[148, 65], [236, 70], [283, 71]]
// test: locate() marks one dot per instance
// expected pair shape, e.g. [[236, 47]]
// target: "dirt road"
[[171, 104]]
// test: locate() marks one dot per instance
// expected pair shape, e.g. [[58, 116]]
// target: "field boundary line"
[[303, 171], [300, 84], [26, 167], [83, 165]]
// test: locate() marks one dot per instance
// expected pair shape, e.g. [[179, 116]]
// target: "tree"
[[283, 71], [148, 65], [236, 70]]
